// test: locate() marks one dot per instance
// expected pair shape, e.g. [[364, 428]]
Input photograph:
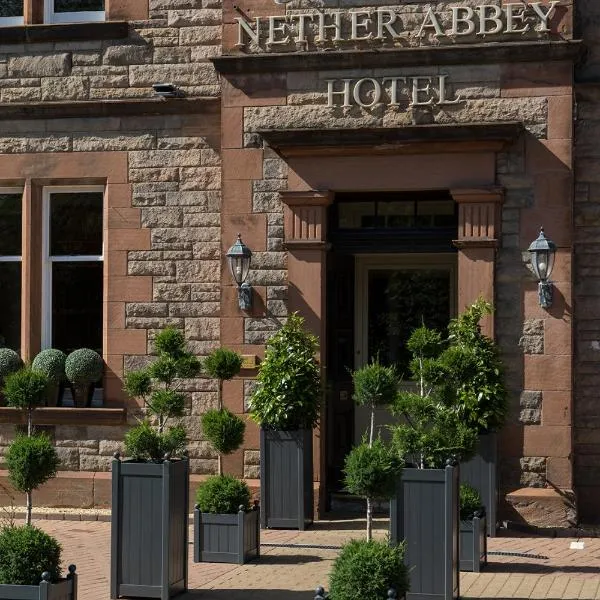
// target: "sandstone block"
[[194, 309], [127, 55], [162, 217], [111, 141], [204, 329], [45, 65], [65, 88]]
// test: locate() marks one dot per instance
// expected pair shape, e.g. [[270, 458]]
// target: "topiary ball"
[[222, 364], [31, 461], [51, 363], [368, 570], [222, 495], [25, 389], [25, 553], [84, 367], [10, 362], [223, 429]]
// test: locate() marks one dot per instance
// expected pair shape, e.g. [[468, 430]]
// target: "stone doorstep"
[[544, 508]]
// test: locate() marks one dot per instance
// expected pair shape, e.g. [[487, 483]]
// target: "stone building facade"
[[314, 128]]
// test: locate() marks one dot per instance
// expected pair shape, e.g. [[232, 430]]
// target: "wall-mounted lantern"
[[239, 257], [542, 253]]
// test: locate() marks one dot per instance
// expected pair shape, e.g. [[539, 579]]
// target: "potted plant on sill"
[[430, 436], [286, 404], [225, 529], [51, 363], [473, 534], [30, 558], [83, 368], [10, 362], [472, 383], [149, 525]]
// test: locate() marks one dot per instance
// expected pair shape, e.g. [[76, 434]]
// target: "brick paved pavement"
[[558, 573]]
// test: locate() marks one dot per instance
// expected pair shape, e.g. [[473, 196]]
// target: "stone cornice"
[[560, 50], [109, 108]]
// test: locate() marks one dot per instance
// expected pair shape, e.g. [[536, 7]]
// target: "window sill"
[[66, 416], [63, 32]]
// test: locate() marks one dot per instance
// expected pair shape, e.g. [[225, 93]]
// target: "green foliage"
[[25, 389], [170, 342], [25, 553], [222, 495], [224, 430], [138, 384], [472, 373], [288, 392], [167, 403], [375, 384], [469, 501], [144, 442], [222, 364], [51, 363], [372, 471], [368, 569], [31, 461], [84, 367], [10, 362]]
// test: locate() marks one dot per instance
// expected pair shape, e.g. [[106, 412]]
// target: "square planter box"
[[149, 528], [286, 472], [226, 538], [473, 544], [424, 512], [65, 589], [480, 472]]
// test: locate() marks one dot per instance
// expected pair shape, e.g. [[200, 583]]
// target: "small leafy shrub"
[[10, 362], [84, 367], [144, 442], [222, 364], [25, 553], [222, 494], [469, 501], [25, 389], [224, 430], [288, 391], [51, 363], [31, 461], [368, 569]]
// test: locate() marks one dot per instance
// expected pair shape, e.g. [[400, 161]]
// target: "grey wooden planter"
[[286, 472], [149, 528], [480, 472], [473, 544], [65, 589], [391, 595], [227, 538], [424, 512]]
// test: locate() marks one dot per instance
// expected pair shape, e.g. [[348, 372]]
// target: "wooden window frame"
[[84, 16]]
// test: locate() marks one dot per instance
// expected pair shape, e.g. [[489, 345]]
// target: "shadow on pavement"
[[516, 567], [232, 594], [349, 522], [288, 559]]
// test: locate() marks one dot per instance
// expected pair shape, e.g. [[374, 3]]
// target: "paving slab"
[[294, 563]]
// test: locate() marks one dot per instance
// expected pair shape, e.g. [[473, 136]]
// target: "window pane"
[[11, 8], [62, 6], [76, 224], [77, 306], [10, 303], [10, 224]]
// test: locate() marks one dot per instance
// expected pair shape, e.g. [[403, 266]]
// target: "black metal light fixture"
[[239, 257], [543, 252]]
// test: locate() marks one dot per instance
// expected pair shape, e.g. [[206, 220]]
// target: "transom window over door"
[[11, 201], [11, 12], [74, 11], [73, 268]]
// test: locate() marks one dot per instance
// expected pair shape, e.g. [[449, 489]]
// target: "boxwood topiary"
[[469, 501], [10, 362], [368, 569], [25, 553], [223, 429], [25, 389], [83, 368], [51, 363], [222, 494]]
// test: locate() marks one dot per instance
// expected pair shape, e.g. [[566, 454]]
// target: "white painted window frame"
[[80, 16], [48, 260], [11, 21]]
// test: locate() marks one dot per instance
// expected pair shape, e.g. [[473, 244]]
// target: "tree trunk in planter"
[[149, 528], [65, 589], [226, 538], [286, 473], [473, 544], [424, 512], [480, 472]]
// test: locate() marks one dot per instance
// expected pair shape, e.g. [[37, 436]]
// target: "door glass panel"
[[10, 315], [77, 306], [399, 301]]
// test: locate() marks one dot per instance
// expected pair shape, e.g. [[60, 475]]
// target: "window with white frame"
[[11, 12], [73, 11], [72, 276], [11, 201]]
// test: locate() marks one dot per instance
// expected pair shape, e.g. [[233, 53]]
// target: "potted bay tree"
[[473, 533], [432, 438], [286, 404], [225, 527], [150, 490]]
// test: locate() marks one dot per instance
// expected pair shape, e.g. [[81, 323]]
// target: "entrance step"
[[341, 502], [543, 507]]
